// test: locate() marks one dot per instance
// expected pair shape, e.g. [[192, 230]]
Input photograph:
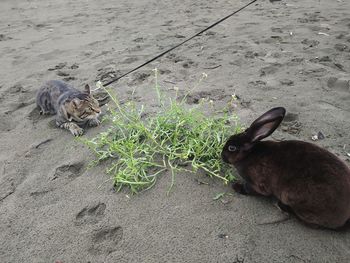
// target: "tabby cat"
[[73, 108]]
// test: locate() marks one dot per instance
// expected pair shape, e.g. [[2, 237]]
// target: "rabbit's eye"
[[232, 148]]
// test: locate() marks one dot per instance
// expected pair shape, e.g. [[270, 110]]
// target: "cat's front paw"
[[71, 126], [94, 122], [76, 131]]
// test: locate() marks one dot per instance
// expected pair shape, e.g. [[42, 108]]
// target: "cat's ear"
[[87, 89], [76, 103]]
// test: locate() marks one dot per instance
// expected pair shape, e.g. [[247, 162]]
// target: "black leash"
[[183, 42]]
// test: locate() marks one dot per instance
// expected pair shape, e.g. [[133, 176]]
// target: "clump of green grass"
[[176, 138]]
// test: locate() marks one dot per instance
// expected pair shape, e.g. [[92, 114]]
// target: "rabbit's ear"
[[266, 124]]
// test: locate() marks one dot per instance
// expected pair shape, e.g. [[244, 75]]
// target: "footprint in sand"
[[139, 77], [295, 61], [311, 18], [290, 117], [276, 29], [6, 122], [291, 124], [107, 73], [179, 36], [17, 97], [4, 37], [62, 73], [251, 54], [273, 39], [164, 71], [139, 40], [309, 43], [66, 76], [13, 175], [168, 23], [19, 105], [34, 115], [12, 91], [287, 82], [69, 78], [58, 66], [314, 72], [105, 240], [341, 47], [90, 214], [215, 95], [258, 84], [18, 88], [7, 187], [62, 175], [174, 58], [327, 61], [186, 63], [271, 69], [44, 197], [339, 84], [68, 172], [129, 60], [321, 59], [37, 194]]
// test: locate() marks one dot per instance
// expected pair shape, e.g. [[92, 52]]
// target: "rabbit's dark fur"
[[306, 179]]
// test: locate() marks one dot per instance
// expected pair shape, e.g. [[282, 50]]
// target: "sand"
[[283, 53]]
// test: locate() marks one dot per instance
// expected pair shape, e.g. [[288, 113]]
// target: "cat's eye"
[[97, 110], [84, 114], [232, 148]]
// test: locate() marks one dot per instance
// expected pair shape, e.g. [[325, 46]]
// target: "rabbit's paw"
[[239, 188]]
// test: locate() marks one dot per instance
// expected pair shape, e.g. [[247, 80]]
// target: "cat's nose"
[[98, 111]]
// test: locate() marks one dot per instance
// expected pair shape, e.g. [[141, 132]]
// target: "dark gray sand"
[[290, 53]]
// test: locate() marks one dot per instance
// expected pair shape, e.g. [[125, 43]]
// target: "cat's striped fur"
[[73, 108]]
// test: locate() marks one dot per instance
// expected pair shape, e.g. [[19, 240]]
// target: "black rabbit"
[[307, 180]]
